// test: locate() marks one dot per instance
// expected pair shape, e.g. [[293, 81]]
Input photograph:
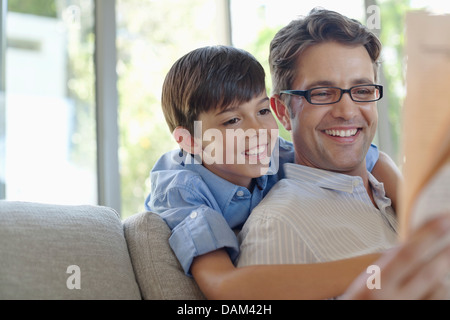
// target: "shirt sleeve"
[[203, 230], [197, 227], [372, 157]]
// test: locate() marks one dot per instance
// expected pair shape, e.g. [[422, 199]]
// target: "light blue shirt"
[[202, 209]]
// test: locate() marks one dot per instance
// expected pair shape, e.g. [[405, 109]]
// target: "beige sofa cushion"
[[157, 269], [42, 245]]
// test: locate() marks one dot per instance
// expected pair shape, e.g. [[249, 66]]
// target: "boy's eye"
[[265, 111], [231, 121]]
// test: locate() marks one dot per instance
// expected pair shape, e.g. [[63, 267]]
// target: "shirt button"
[[240, 193], [193, 214], [355, 183]]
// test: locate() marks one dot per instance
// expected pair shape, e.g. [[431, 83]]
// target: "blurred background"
[[80, 84]]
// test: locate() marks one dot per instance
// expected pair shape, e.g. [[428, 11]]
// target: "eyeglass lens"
[[330, 95]]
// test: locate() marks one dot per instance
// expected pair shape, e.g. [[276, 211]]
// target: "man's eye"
[[323, 93], [363, 91]]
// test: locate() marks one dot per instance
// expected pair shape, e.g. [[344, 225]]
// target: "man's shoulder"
[[284, 194], [291, 188], [286, 150]]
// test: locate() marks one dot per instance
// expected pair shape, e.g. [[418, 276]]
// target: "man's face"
[[334, 137]]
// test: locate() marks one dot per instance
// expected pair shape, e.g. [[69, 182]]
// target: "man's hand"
[[417, 269]]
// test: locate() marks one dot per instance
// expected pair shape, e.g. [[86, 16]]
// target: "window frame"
[[3, 11], [105, 60]]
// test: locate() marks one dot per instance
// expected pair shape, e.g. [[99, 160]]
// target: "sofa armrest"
[[158, 272], [63, 252]]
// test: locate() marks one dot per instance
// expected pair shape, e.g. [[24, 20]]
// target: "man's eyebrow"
[[327, 83], [321, 83], [362, 81], [237, 106]]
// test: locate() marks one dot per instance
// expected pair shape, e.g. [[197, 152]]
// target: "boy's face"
[[337, 136], [237, 142]]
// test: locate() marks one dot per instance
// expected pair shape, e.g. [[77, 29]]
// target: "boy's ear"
[[281, 111], [186, 141]]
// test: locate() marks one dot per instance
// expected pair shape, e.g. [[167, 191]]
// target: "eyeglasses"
[[330, 95]]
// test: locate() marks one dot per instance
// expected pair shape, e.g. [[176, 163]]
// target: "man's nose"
[[345, 108]]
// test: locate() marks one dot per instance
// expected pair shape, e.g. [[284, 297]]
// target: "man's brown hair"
[[318, 26]]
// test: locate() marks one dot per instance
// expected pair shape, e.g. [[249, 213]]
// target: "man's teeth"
[[342, 133], [256, 151]]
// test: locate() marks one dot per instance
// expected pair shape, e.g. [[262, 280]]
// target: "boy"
[[208, 189]]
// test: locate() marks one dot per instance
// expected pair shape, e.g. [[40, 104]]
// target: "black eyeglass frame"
[[307, 93]]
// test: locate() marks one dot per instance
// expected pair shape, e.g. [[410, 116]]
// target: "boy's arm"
[[386, 171], [185, 203], [218, 278]]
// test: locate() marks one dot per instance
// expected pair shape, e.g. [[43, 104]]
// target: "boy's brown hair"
[[208, 78]]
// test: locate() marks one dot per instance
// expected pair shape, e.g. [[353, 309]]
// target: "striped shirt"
[[316, 216]]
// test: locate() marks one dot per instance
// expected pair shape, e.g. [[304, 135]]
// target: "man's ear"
[[186, 141], [281, 111]]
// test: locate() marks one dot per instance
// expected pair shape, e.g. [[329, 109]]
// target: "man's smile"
[[343, 134]]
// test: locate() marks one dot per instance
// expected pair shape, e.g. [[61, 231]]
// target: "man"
[[348, 140], [329, 207]]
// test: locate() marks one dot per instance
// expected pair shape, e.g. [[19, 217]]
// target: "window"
[[47, 134]]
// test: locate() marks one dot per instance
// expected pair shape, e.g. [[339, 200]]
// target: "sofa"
[[86, 252]]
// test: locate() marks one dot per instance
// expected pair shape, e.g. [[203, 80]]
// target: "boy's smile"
[[259, 152]]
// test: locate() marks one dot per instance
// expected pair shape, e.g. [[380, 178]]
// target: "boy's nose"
[[255, 124]]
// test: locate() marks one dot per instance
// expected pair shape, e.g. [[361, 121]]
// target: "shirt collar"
[[322, 178], [379, 193], [336, 181]]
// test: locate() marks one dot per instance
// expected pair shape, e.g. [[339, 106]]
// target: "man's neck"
[[359, 170]]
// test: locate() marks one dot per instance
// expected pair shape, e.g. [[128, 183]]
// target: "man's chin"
[[348, 167]]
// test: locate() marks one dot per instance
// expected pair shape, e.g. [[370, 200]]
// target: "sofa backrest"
[[158, 272], [63, 252]]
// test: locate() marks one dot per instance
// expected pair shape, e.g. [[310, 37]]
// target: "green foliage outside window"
[[46, 8]]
